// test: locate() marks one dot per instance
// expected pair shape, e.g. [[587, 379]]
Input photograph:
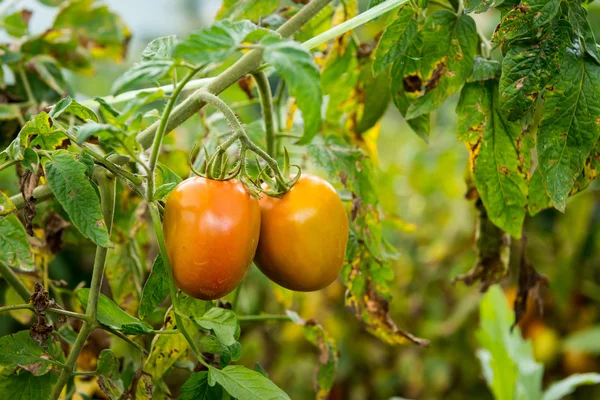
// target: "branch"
[[50, 310], [246, 64], [264, 91], [40, 193], [14, 281], [263, 317]]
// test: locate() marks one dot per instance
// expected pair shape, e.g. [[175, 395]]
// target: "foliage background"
[[422, 190]]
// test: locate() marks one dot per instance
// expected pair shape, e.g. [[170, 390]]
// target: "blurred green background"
[[430, 222]]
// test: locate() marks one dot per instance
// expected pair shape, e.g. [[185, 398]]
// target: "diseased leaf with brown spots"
[[499, 155], [449, 45], [570, 125], [527, 67], [493, 252], [527, 20]]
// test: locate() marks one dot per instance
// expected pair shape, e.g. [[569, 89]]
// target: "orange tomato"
[[211, 231], [303, 236]]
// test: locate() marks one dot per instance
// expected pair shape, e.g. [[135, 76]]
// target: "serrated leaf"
[[295, 64], [480, 6], [25, 386], [526, 69], [528, 20], [142, 72], [111, 315], [109, 377], [407, 86], [46, 136], [14, 247], [71, 106], [396, 39], [214, 44], [197, 388], [243, 383], [484, 69], [449, 45], [67, 179], [246, 9], [222, 322], [570, 122], [578, 17], [155, 290], [499, 157], [20, 350], [160, 48]]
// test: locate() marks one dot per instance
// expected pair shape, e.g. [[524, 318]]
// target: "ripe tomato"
[[211, 230], [303, 236]]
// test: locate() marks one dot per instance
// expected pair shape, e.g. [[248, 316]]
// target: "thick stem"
[[14, 281], [107, 185], [264, 91], [40, 193], [247, 63], [161, 132]]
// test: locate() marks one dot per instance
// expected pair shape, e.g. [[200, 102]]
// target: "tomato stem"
[[266, 100], [263, 317], [13, 280]]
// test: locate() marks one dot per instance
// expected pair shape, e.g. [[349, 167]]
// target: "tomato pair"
[[214, 229]]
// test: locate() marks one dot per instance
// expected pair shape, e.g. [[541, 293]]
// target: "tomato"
[[211, 230], [303, 236]]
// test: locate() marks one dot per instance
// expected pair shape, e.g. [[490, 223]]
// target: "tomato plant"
[[279, 134]]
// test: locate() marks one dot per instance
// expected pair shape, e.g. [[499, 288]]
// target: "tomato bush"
[[125, 252]]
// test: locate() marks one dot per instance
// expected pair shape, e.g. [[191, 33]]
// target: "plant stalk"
[[263, 317], [266, 100], [107, 185], [14, 281]]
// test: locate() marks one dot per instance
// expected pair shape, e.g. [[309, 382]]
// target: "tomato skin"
[[211, 231], [303, 236]]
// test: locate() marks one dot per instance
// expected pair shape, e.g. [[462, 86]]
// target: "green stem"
[[8, 164], [107, 185], [247, 63], [157, 143], [40, 193], [124, 337], [23, 75], [14, 281], [49, 310], [172, 289], [264, 92], [263, 317]]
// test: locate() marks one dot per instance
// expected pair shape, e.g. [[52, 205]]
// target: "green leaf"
[[197, 388], [211, 344], [407, 86], [222, 322], [155, 290], [527, 68], [376, 98], [25, 386], [6, 206], [480, 6], [142, 72], [64, 46], [124, 272], [214, 44], [449, 44], [71, 106], [109, 378], [111, 315], [20, 350], [244, 383], [527, 21], [585, 340], [73, 190], [68, 334], [8, 112], [48, 70], [578, 17], [46, 136], [159, 49], [104, 132], [16, 24], [396, 39], [484, 69], [14, 247], [562, 388], [246, 9], [500, 157], [509, 367], [570, 125], [295, 64]]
